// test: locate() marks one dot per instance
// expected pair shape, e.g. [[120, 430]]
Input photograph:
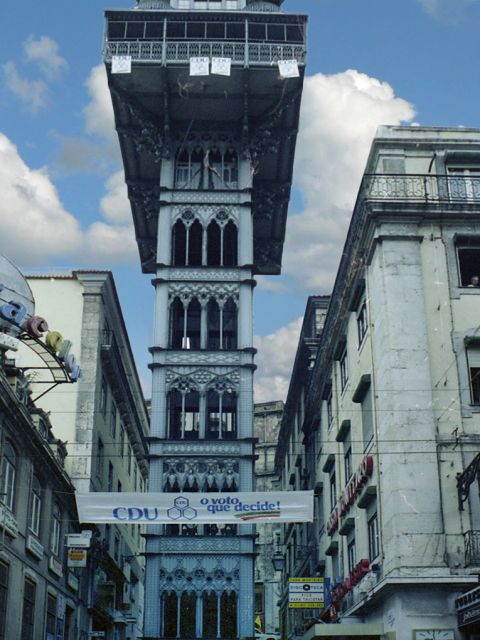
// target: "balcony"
[[421, 188], [472, 548], [241, 53]]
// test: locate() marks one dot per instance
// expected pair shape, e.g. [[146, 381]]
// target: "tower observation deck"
[[208, 162]]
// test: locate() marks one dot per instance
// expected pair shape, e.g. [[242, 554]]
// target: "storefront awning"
[[345, 630]]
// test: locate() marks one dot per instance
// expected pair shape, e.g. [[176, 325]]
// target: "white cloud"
[[447, 10], [339, 117], [36, 227], [44, 52], [276, 354], [98, 114], [115, 205], [32, 93]]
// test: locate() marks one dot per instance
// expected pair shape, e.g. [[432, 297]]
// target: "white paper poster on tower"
[[196, 508], [199, 66], [121, 64]]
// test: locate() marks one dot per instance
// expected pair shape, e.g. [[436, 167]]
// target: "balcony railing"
[[241, 53], [472, 548], [421, 188]]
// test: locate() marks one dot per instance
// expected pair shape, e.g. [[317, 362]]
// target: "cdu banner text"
[[199, 508]]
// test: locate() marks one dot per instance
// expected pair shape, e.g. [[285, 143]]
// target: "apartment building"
[[392, 411], [105, 422]]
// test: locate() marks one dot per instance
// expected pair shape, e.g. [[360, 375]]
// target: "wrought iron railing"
[[241, 53], [472, 548], [421, 188]]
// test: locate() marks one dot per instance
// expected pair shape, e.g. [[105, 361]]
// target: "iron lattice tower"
[[208, 163]]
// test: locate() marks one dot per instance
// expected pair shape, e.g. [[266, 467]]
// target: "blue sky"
[[370, 62]]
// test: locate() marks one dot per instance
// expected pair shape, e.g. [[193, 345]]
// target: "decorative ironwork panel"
[[252, 54], [472, 548], [200, 474]]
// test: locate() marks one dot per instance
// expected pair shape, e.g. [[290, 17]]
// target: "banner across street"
[[195, 508]]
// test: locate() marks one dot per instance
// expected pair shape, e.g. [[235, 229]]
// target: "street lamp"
[[278, 561]]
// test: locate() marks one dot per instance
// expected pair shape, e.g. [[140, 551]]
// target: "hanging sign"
[[288, 68], [121, 64], [76, 558], [307, 593], [195, 508], [221, 66], [199, 66]]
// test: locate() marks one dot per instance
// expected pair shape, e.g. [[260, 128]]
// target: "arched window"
[[228, 615], [35, 506], [213, 326], [222, 242], [210, 614], [179, 244], [195, 236], [9, 469], [188, 607], [184, 415], [170, 614], [214, 244], [187, 242], [230, 245], [221, 325], [177, 321], [229, 333], [221, 415], [185, 324]]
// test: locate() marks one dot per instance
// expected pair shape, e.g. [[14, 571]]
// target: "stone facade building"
[[295, 470], [207, 133], [105, 422], [40, 596], [392, 412], [267, 419]]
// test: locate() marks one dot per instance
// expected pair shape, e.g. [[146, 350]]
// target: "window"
[[343, 370], [221, 414], [113, 420], [35, 506], [473, 359], [351, 555], [122, 440], [100, 458], [347, 459], [221, 325], [135, 472], [56, 529], [362, 322], [110, 477], [103, 397], [222, 242], [51, 616], [7, 495], [189, 167], [373, 538], [468, 259], [184, 412], [185, 324], [4, 571], [187, 239], [129, 459], [333, 491], [367, 417], [329, 405], [28, 615], [463, 183], [119, 486]]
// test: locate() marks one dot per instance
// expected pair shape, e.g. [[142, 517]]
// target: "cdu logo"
[[181, 509]]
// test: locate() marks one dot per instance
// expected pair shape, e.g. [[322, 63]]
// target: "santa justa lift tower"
[[206, 97]]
